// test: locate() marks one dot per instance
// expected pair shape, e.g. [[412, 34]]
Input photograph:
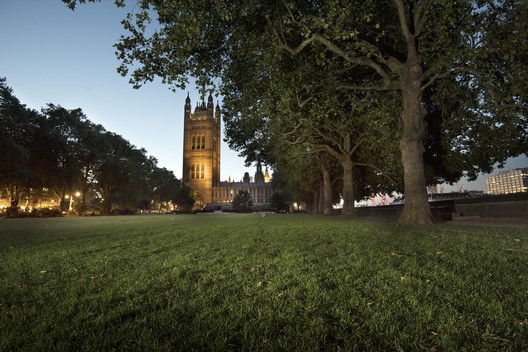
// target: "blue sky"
[[50, 54]]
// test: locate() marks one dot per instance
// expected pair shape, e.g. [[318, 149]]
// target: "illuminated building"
[[201, 160], [507, 182]]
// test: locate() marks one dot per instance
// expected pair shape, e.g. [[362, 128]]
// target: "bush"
[[120, 211], [88, 211], [15, 212], [46, 213], [12, 212]]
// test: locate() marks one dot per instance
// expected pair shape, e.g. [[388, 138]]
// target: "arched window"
[[192, 171], [203, 171], [193, 142], [203, 141]]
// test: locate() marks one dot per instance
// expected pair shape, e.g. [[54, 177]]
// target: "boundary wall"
[[509, 206]]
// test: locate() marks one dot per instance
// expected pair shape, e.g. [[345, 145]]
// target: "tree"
[[300, 104], [165, 187], [242, 201], [123, 178], [61, 150], [408, 53], [408, 46], [54, 153], [17, 129], [279, 201], [90, 150], [355, 130]]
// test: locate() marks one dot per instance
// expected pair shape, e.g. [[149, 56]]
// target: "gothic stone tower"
[[201, 149]]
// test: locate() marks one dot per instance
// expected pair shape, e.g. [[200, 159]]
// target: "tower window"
[[192, 171], [193, 142], [203, 171], [203, 141]]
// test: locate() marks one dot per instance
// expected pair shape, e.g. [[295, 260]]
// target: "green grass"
[[252, 283]]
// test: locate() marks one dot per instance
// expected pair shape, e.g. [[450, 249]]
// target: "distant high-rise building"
[[506, 182]]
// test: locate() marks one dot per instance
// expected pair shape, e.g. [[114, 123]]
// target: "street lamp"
[[77, 194]]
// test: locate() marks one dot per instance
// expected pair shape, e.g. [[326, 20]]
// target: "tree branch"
[[434, 78], [378, 170], [394, 85], [400, 7]]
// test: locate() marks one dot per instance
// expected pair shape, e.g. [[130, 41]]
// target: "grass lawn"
[[252, 283]]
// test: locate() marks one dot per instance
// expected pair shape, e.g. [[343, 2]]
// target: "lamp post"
[[77, 194]]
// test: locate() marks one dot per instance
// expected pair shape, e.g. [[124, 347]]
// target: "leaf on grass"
[[263, 283], [397, 254], [439, 253], [43, 271], [434, 333]]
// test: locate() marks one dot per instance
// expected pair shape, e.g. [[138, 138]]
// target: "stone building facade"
[[201, 160]]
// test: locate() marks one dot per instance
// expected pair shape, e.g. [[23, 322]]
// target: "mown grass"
[[252, 283]]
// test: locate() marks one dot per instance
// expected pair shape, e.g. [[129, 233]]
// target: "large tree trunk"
[[320, 204], [348, 189], [416, 209], [315, 202], [14, 196], [327, 186], [62, 203]]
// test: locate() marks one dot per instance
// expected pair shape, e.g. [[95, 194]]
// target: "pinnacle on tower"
[[210, 102]]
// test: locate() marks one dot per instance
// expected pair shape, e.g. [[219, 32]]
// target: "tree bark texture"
[[416, 209], [348, 210], [320, 204], [327, 186], [315, 202]]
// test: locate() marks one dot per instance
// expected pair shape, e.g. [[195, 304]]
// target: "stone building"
[[201, 160]]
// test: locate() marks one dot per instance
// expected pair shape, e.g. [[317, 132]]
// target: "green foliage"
[[279, 201], [17, 128], [273, 283], [242, 201], [462, 61], [61, 150]]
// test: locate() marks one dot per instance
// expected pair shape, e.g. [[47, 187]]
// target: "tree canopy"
[[242, 201], [456, 66], [61, 151]]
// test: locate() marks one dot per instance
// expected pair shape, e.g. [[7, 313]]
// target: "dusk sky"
[[51, 54]]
